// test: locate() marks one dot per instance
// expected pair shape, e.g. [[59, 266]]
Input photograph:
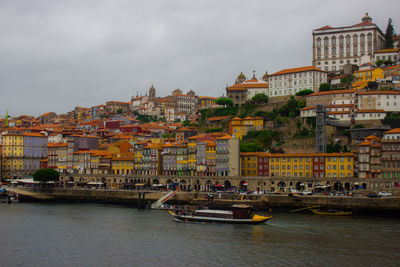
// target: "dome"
[[241, 76], [367, 18]]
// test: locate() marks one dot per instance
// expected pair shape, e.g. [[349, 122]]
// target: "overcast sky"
[[55, 55]]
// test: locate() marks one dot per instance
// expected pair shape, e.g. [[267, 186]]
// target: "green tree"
[[373, 85], [379, 62], [46, 175], [324, 87], [304, 92], [260, 99], [224, 101], [389, 35], [186, 123], [120, 111]]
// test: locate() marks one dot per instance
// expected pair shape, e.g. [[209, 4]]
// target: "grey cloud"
[[55, 55]]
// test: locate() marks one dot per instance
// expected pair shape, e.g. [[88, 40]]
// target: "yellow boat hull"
[[337, 213]]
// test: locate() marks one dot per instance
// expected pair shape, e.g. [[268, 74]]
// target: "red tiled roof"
[[348, 91], [295, 70]]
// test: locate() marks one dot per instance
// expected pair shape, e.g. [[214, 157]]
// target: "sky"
[[55, 55]]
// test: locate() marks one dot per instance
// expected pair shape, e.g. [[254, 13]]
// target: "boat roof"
[[215, 211]]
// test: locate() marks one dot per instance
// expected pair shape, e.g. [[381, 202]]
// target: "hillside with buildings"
[[336, 118]]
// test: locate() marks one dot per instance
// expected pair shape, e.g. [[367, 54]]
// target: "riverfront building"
[[22, 153]]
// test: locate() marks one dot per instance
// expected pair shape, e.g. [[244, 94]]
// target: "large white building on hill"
[[334, 47]]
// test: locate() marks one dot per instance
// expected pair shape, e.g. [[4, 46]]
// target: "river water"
[[33, 234]]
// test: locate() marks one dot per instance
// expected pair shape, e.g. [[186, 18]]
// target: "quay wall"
[[260, 202]]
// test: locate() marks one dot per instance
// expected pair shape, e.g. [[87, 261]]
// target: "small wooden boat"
[[240, 214], [331, 212]]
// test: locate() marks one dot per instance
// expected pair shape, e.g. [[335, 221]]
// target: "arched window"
[[326, 41], [318, 42], [355, 39], [333, 40], [362, 38]]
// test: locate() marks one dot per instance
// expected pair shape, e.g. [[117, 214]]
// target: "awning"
[[26, 181], [155, 185], [244, 184], [95, 183], [356, 183], [139, 184]]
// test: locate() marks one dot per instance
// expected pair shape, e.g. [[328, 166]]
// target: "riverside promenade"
[[221, 200]]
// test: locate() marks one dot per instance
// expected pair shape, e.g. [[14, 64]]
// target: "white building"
[[393, 134], [334, 47], [56, 138], [388, 54], [290, 81], [386, 100]]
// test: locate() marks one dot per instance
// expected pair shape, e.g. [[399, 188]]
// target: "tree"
[[120, 111], [224, 101], [379, 62], [324, 87], [373, 85], [260, 99], [46, 175], [389, 35], [186, 123], [304, 92]]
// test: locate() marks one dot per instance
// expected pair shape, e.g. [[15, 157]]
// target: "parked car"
[[373, 195], [306, 192], [385, 194]]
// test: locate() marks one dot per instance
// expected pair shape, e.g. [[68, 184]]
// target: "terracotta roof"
[[56, 144], [371, 137], [392, 67], [248, 84], [311, 154], [295, 70], [365, 143], [379, 93], [395, 130], [207, 97], [225, 137], [218, 118], [327, 27], [389, 50], [334, 92]]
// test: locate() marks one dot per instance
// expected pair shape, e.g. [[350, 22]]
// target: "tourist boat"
[[240, 214], [331, 212]]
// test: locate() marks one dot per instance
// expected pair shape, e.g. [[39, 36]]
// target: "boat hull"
[[189, 218], [337, 213]]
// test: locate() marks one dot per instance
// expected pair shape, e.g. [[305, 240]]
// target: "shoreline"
[[387, 205]]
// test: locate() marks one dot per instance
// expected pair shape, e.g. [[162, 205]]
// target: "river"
[[34, 234]]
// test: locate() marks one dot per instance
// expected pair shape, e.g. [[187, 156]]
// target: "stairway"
[[163, 199]]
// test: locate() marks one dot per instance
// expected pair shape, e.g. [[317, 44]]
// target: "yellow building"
[[122, 164], [249, 163], [192, 150], [339, 165], [239, 127], [290, 165], [211, 157], [12, 154], [370, 75], [322, 165]]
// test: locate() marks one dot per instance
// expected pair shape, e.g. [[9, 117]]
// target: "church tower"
[[152, 93]]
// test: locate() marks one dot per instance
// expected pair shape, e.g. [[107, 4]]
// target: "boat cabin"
[[241, 211], [226, 214]]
